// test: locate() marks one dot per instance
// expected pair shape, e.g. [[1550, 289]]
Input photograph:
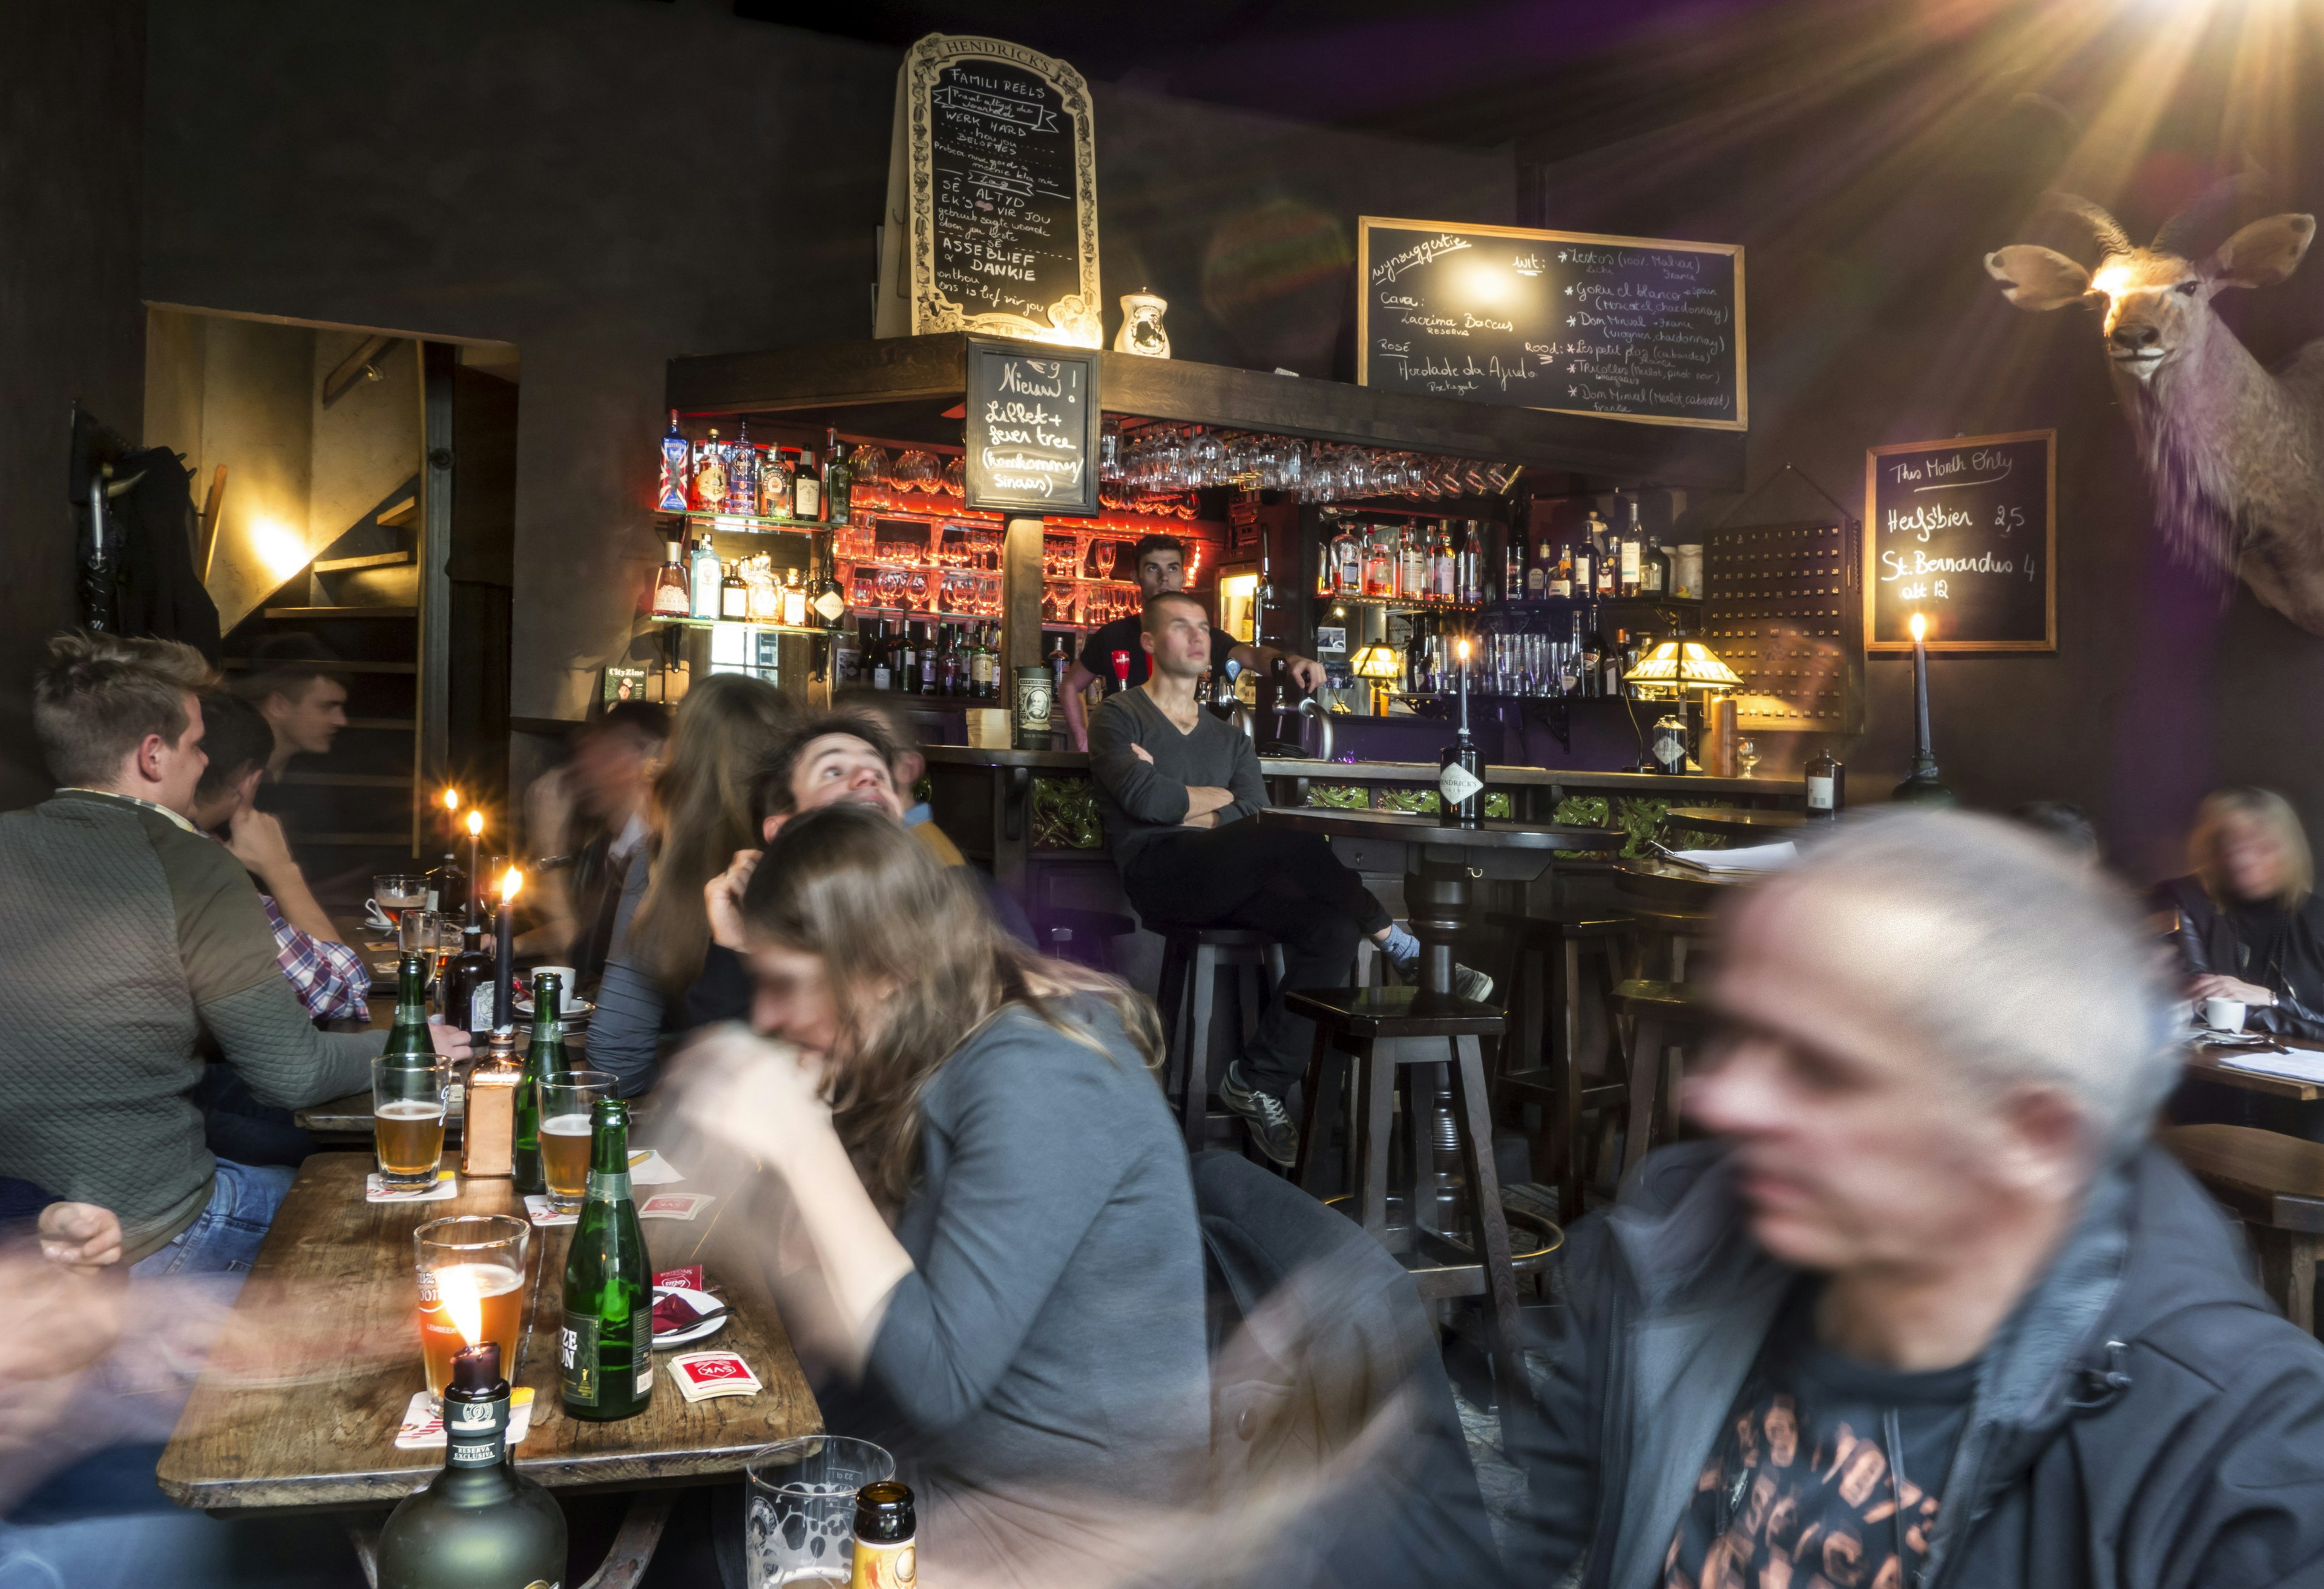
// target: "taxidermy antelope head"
[[2234, 454]]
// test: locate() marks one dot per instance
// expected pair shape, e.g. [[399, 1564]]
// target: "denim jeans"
[[223, 1238]]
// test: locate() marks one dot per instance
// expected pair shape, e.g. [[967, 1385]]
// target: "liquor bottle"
[[1379, 563], [1514, 565], [467, 982], [793, 610], [1608, 561], [447, 884], [543, 1060], [1442, 577], [670, 497], [838, 481], [829, 602], [1827, 784], [1594, 677], [1655, 569], [775, 484], [875, 655], [907, 666], [1633, 550], [743, 473], [980, 666], [709, 479], [733, 595], [806, 488], [1469, 565], [1613, 663], [954, 669], [931, 663], [704, 577], [1347, 564], [671, 596], [1585, 557], [1569, 664], [885, 1556], [606, 1347], [1412, 566], [479, 1523], [1460, 780], [1559, 581], [1061, 663]]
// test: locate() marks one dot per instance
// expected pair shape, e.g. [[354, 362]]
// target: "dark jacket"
[[2211, 940], [2143, 1421]]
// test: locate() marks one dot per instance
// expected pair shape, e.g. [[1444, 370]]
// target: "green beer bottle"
[[544, 1059], [479, 1524], [407, 1038], [606, 1349]]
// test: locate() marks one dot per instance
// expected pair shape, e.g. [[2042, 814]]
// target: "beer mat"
[[648, 1168], [688, 1276], [674, 1205], [423, 1421], [682, 1315], [447, 1185], [700, 1375], [538, 1206]]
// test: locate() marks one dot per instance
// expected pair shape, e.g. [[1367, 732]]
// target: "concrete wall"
[[608, 184], [70, 133]]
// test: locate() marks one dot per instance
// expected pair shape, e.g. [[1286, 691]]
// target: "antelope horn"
[[2108, 231], [2210, 207]]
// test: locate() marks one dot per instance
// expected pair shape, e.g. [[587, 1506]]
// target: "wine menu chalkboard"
[[1031, 428], [1629, 327], [996, 161], [1965, 533]]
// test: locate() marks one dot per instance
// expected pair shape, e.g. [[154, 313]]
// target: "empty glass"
[[801, 1526]]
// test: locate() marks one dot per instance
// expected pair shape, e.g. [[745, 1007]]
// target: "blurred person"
[[997, 1265], [2250, 926], [1161, 563], [594, 812], [1930, 1308], [303, 701], [147, 945], [2069, 825], [700, 815], [908, 767], [1174, 786]]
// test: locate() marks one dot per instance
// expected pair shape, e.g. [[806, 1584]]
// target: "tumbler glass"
[[409, 1096], [567, 1101], [473, 1261], [802, 1508]]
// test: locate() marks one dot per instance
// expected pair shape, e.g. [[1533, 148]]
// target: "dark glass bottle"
[[468, 986], [1460, 781], [447, 884], [838, 481], [544, 1058], [407, 1038], [1827, 784], [479, 1524], [607, 1349], [885, 1553]]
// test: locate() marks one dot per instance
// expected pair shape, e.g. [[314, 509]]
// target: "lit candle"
[[504, 973], [1465, 687], [476, 871], [1920, 689], [451, 813]]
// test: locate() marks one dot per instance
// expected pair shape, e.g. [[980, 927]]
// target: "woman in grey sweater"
[[989, 1227]]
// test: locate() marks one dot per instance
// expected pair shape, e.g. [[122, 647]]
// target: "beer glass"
[[566, 1101], [396, 893], [801, 1527], [409, 1094], [473, 1261]]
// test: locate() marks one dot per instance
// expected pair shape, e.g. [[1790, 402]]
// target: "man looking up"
[[1174, 783], [1161, 562], [306, 705], [1932, 1308]]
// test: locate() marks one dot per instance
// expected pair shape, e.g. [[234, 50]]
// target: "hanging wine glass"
[[955, 479]]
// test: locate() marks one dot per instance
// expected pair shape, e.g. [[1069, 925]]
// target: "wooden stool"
[[1659, 1015], [1543, 1066], [1191, 959], [1389, 1040], [2274, 1184]]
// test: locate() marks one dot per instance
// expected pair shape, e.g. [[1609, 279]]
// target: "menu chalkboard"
[[1032, 425], [993, 190], [1631, 328], [1964, 532]]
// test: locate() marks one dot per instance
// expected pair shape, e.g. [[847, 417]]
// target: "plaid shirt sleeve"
[[329, 977]]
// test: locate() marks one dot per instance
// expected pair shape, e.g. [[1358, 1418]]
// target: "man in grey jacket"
[[1932, 1310]]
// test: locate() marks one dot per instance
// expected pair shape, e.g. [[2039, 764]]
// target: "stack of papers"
[[2299, 1064], [1759, 858]]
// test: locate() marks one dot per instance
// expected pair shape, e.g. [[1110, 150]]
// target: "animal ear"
[[2035, 278], [2264, 252]]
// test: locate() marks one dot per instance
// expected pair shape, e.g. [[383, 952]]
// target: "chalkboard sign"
[[1032, 429], [1631, 328], [1964, 532], [992, 196]]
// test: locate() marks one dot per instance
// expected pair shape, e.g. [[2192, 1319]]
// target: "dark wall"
[[1866, 185], [69, 322], [608, 184]]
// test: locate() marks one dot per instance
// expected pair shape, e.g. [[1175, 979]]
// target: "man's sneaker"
[[1263, 1116]]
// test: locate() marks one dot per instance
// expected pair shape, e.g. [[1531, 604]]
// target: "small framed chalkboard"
[[1032, 425], [1964, 532], [1628, 327]]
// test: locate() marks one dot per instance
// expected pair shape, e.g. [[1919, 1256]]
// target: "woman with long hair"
[[2250, 926], [700, 815], [1005, 1272]]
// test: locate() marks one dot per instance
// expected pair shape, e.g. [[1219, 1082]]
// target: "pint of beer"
[[473, 1270], [409, 1096], [566, 1102]]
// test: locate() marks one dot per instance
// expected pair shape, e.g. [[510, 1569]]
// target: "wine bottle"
[[1633, 550], [1469, 565], [1827, 782], [479, 1523], [838, 481], [544, 1059], [468, 985], [606, 1349]]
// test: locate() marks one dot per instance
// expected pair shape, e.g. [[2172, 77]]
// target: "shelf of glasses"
[[751, 523], [895, 566], [918, 614], [1413, 603], [787, 628]]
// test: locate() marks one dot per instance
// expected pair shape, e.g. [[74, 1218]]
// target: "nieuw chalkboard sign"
[[1631, 327], [1032, 429], [992, 196], [1964, 532]]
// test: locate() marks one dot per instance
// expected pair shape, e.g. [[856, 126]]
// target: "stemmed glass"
[[954, 480]]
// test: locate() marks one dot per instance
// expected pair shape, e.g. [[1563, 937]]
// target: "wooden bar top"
[[299, 1406], [1406, 772]]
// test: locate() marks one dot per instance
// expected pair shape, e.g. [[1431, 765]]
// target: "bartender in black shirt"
[[1162, 566]]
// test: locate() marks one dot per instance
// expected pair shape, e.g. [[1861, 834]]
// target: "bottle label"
[[576, 1355], [831, 604], [475, 1432], [480, 1006], [1457, 784], [1819, 793], [807, 499], [605, 1187], [877, 1565]]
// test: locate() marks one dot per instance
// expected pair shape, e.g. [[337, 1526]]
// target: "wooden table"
[[2210, 1061], [1758, 827], [2275, 1185], [335, 1280]]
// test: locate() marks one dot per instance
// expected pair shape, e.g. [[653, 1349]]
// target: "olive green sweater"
[[132, 949]]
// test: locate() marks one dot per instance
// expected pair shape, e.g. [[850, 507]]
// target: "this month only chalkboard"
[[1031, 430], [1629, 327], [1964, 532]]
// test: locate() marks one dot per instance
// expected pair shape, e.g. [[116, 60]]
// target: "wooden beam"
[[214, 505], [356, 366]]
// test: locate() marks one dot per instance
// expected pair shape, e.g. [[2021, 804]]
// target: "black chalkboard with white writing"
[[1031, 428], [1629, 327], [1963, 532], [1001, 143]]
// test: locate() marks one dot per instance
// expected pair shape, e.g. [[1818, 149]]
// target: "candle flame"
[[476, 822], [457, 1289], [1920, 626], [510, 881], [451, 799], [1464, 647]]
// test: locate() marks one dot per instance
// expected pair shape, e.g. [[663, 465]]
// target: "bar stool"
[[1544, 1068], [1391, 1041], [1191, 958], [2274, 1184], [1660, 1015]]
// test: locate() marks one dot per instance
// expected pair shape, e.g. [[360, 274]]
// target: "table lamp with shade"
[[1691, 673], [1379, 664]]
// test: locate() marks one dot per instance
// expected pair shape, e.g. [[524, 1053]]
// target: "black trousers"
[[1288, 886]]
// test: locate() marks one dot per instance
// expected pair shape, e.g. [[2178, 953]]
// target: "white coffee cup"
[[2223, 1014]]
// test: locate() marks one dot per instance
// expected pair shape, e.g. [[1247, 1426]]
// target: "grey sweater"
[[128, 946], [1140, 802]]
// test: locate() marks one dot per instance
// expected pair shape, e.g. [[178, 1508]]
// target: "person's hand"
[[2217, 987], [759, 1097], [1305, 672], [1208, 819], [450, 1042], [722, 897], [1140, 751], [83, 1236], [255, 838]]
